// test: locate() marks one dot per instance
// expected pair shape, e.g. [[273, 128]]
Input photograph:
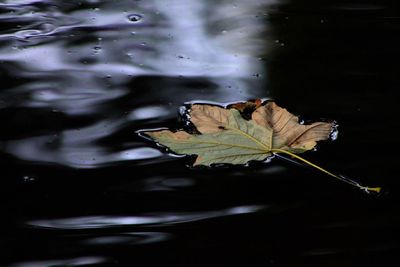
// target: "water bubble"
[[134, 17]]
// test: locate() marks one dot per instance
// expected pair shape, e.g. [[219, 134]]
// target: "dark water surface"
[[80, 188]]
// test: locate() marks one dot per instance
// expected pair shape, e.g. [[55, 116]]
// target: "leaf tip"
[[198, 161]]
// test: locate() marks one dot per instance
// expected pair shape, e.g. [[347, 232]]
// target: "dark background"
[[79, 187]]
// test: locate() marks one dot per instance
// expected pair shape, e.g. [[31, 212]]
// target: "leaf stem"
[[341, 178]]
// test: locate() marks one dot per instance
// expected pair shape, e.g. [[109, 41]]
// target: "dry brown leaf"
[[288, 133], [208, 119], [226, 137], [248, 105]]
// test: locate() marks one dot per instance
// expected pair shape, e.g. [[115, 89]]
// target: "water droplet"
[[28, 179], [335, 132], [134, 17]]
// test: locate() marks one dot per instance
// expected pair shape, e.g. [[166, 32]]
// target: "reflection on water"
[[75, 153], [153, 220], [82, 261], [136, 238], [92, 59], [79, 78]]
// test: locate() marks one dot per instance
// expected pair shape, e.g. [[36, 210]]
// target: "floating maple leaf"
[[226, 137]]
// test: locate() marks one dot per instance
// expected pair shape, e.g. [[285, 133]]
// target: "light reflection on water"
[[80, 78], [87, 61], [77, 155], [160, 219], [81, 261], [135, 238]]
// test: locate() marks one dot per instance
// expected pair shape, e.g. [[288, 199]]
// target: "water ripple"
[[159, 219], [136, 238], [81, 261], [39, 149]]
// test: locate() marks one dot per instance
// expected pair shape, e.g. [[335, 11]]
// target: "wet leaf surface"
[[226, 137]]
